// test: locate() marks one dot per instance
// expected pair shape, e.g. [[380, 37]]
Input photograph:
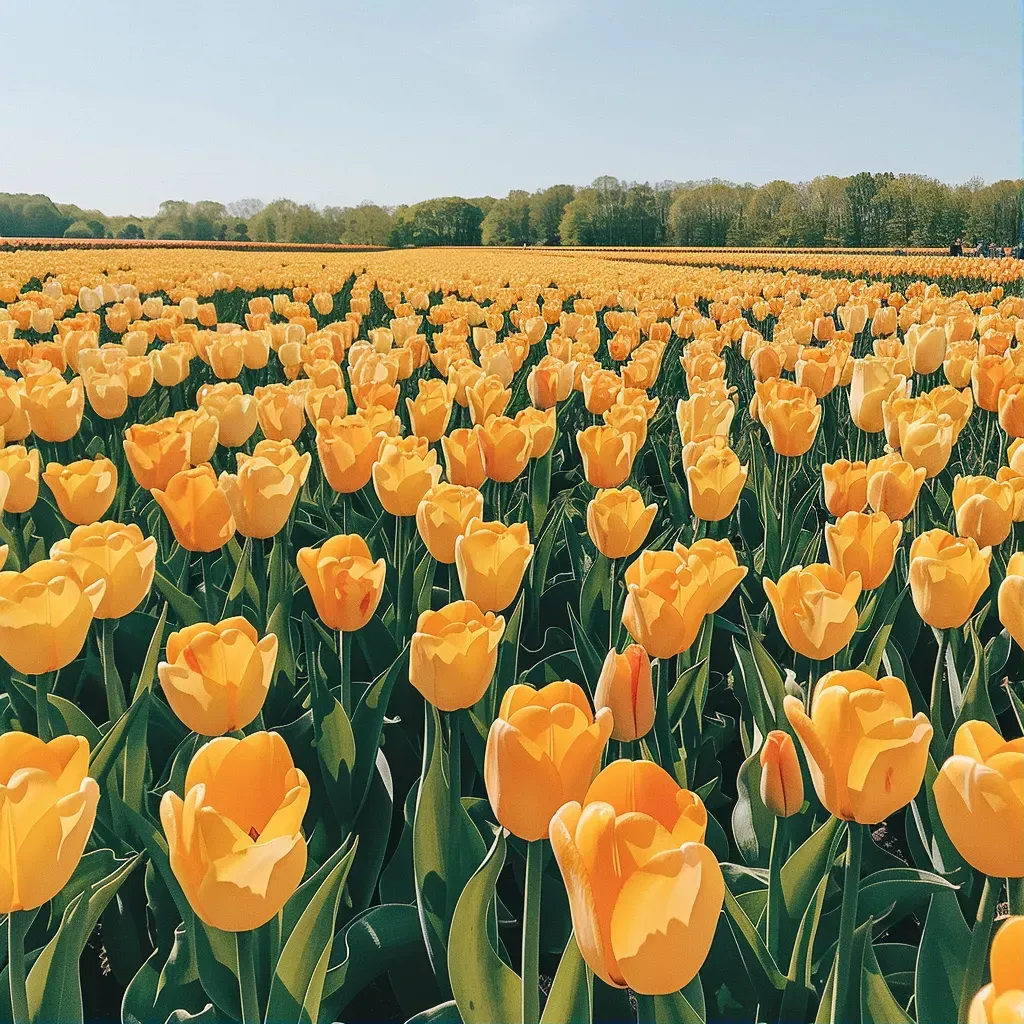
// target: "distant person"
[[957, 248], [982, 249]]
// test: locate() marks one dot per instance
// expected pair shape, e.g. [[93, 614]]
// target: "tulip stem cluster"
[[844, 969], [980, 935]]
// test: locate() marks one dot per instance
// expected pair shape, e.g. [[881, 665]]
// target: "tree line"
[[883, 210]]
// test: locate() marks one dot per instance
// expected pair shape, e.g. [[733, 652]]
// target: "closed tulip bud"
[[625, 687], [49, 808], [55, 408], [873, 382], [714, 483], [491, 560], [442, 516], [348, 448], [668, 595], [927, 348], [406, 468], [719, 560], [235, 843], [607, 455], [431, 411], [864, 543], [984, 509], [45, 614], [846, 486], [948, 575], [816, 608], [107, 394], [978, 796], [197, 509], [528, 775], [507, 448], [281, 412], [263, 492], [550, 382], [21, 466], [893, 485], [1011, 598], [782, 784], [155, 454], [645, 893], [344, 581], [117, 554], [453, 654], [866, 749], [1001, 1001], [234, 411], [464, 456], [618, 521], [217, 676], [926, 441]]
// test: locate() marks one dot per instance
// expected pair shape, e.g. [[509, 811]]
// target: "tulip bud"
[[345, 583], [491, 560], [625, 687], [618, 521], [464, 457], [197, 509], [442, 516], [782, 785], [815, 608]]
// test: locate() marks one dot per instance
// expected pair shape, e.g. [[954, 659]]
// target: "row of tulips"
[[444, 637]]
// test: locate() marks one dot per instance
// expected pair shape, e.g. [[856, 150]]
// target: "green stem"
[[43, 683], [116, 706], [1015, 895], [978, 952], [209, 600], [935, 698], [611, 604], [847, 921], [454, 804], [776, 859], [531, 932], [18, 536], [345, 665], [17, 925], [247, 977]]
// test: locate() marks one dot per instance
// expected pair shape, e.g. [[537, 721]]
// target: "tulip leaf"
[[811, 862], [185, 608], [486, 989], [873, 655], [156, 992], [596, 590], [76, 721], [149, 664], [683, 1007], [941, 960], [761, 967], [682, 694], [590, 657], [977, 702], [443, 1013], [893, 892], [773, 687], [798, 979], [540, 486], [878, 1005], [752, 822], [570, 998], [297, 987], [676, 494], [217, 959], [240, 577], [381, 939], [105, 754], [423, 585], [506, 672], [53, 986]]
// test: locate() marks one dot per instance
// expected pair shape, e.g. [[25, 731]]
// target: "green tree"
[[546, 209], [508, 221]]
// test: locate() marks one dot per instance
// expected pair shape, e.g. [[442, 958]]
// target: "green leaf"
[[486, 989], [185, 608], [595, 594], [540, 486], [683, 1007], [805, 868], [873, 656], [977, 703], [761, 967], [894, 892], [941, 961], [570, 998], [752, 822], [423, 584], [368, 724], [298, 983], [105, 754], [799, 985], [773, 687], [148, 673], [590, 657], [878, 1005], [443, 1013]]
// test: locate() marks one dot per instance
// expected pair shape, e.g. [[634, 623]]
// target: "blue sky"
[[398, 100]]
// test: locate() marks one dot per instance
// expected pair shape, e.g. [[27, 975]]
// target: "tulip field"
[[511, 637]]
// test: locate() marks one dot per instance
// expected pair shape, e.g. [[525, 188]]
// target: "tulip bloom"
[[431, 410], [344, 581], [348, 447], [893, 485], [1011, 598], [618, 521], [197, 509], [216, 676], [626, 688], [866, 749], [45, 614], [815, 608], [487, 397], [442, 516], [873, 382], [948, 575], [406, 468], [539, 425], [984, 509], [543, 749], [464, 457], [263, 492], [607, 455], [453, 654], [979, 799], [714, 483], [792, 424], [155, 454], [549, 382], [84, 489], [235, 843], [864, 543], [644, 891], [507, 448], [1002, 999], [55, 408], [926, 440], [846, 486], [117, 554], [234, 411], [782, 784], [668, 595], [725, 573], [281, 412], [107, 394], [491, 560], [702, 414], [48, 804]]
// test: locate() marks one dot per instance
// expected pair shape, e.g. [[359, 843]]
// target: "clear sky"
[[120, 105]]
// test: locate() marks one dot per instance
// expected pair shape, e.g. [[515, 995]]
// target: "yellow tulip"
[[431, 410], [348, 447], [443, 515], [84, 489], [816, 608], [406, 468], [948, 575], [926, 440], [464, 457], [644, 891], [846, 486], [618, 521], [47, 811], [235, 843], [197, 509], [107, 394], [864, 543], [714, 483], [626, 688], [1011, 598], [543, 749], [1001, 1001], [491, 560], [55, 408], [979, 799], [487, 397], [345, 583], [453, 654], [893, 485], [984, 509], [724, 571], [217, 675], [866, 749], [507, 448], [539, 425], [155, 454], [873, 383], [607, 455], [263, 492]]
